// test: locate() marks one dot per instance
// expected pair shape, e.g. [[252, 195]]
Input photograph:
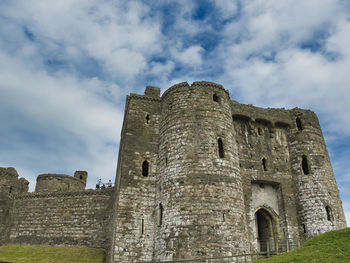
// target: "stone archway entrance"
[[266, 230]]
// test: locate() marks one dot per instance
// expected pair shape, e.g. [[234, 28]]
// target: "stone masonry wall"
[[133, 232], [263, 134], [201, 199], [5, 207], [316, 188], [71, 218], [10, 185], [200, 192], [58, 182]]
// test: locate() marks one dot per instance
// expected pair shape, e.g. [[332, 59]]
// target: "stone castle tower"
[[201, 175]]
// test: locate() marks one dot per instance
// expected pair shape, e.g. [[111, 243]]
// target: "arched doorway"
[[266, 230]]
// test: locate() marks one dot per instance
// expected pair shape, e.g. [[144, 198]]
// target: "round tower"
[[200, 204], [319, 206], [60, 182]]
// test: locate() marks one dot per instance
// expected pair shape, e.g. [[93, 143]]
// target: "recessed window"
[[215, 98], [329, 213], [299, 124], [241, 118], [147, 118], [264, 164], [259, 131], [304, 228], [305, 165], [145, 168], [81, 177], [10, 190], [221, 148]]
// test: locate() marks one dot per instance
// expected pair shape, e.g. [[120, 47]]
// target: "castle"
[[198, 175]]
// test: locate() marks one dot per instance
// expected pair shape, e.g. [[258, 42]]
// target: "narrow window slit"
[[259, 131], [263, 161], [305, 165], [329, 213], [304, 228], [221, 148], [215, 98], [161, 209], [299, 124], [147, 118], [142, 226], [145, 168]]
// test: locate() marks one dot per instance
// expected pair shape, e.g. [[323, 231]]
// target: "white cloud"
[[70, 109], [269, 68], [226, 8], [190, 56], [120, 36], [277, 25]]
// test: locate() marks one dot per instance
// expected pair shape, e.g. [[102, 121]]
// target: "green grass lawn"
[[50, 254], [331, 247]]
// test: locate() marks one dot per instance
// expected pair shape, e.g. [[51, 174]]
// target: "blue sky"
[[66, 67]]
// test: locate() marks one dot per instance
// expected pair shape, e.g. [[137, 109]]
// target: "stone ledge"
[[175, 87], [194, 84], [142, 97], [107, 191]]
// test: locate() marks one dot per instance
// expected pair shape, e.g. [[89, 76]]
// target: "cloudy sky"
[[66, 67]]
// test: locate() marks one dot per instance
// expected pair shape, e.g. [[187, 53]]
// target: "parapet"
[[61, 182], [153, 92]]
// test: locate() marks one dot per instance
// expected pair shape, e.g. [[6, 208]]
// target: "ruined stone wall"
[[5, 207], [133, 232], [9, 185], [71, 218]]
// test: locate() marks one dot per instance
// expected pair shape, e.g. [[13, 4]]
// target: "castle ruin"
[[198, 175]]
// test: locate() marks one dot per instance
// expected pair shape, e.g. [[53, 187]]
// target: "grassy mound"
[[326, 248], [50, 254]]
